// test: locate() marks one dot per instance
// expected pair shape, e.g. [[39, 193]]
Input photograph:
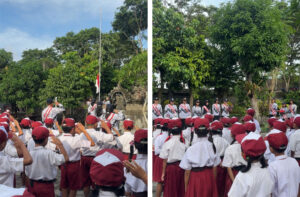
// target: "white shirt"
[[226, 134], [184, 111], [159, 142], [156, 133], [200, 154], [285, 173], [44, 165], [125, 140], [9, 191], [10, 149], [114, 119], [256, 182], [9, 166], [92, 109], [97, 136], [132, 183], [173, 149], [233, 156], [187, 134], [221, 144], [51, 113], [268, 154], [72, 145], [257, 126], [295, 143]]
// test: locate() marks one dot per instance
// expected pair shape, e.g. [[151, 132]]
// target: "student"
[[70, 171], [156, 109], [92, 109], [25, 125], [226, 134], [107, 172], [171, 110], [49, 123], [133, 185], [233, 159], [285, 171], [114, 117], [157, 128], [271, 121], [50, 111], [172, 152], [200, 162], [9, 165], [251, 112], [205, 108], [209, 117], [255, 178], [184, 111], [295, 140], [158, 164], [225, 108], [88, 153], [273, 108], [220, 144], [197, 110], [188, 133], [216, 110], [43, 170], [249, 126], [127, 138]]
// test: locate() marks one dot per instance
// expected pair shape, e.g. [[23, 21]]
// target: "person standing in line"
[[273, 108], [197, 110], [205, 108], [171, 110], [50, 111], [92, 109], [216, 110], [156, 109], [225, 109], [251, 112], [292, 109], [184, 111]]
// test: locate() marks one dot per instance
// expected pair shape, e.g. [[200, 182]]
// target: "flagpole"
[[100, 54]]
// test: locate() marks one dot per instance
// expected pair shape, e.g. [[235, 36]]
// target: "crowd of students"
[[94, 157], [216, 158]]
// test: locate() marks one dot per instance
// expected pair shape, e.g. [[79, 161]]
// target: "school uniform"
[[43, 171], [114, 120], [49, 145], [285, 173], [256, 182], [51, 112], [216, 111], [187, 135], [9, 166], [273, 108], [92, 109], [156, 111], [221, 144], [184, 112], [295, 144], [10, 149], [88, 153], [126, 140], [171, 111], [257, 126], [205, 109], [173, 151], [134, 185], [292, 110], [197, 111], [232, 159], [158, 163], [70, 171], [225, 110], [155, 134], [200, 159], [226, 134]]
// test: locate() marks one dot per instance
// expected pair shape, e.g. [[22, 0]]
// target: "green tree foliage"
[[6, 58], [131, 20], [253, 34]]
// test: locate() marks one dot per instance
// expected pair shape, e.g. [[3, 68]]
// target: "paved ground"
[[56, 185]]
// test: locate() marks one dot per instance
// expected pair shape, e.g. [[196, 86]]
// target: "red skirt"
[[85, 165], [42, 189], [202, 183], [157, 172], [126, 156], [70, 176], [228, 182], [298, 160], [221, 180], [174, 181]]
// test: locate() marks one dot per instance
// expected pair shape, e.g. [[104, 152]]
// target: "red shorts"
[[85, 165], [70, 176], [202, 183], [126, 156], [39, 189]]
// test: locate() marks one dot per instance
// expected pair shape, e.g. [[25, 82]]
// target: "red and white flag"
[[97, 83]]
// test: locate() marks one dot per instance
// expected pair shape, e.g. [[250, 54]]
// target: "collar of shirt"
[[201, 139], [141, 156], [39, 147], [281, 157], [67, 134], [91, 129]]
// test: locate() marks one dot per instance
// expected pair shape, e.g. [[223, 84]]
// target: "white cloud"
[[62, 11], [16, 41]]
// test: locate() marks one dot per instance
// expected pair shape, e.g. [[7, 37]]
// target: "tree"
[[131, 20], [6, 58], [253, 34]]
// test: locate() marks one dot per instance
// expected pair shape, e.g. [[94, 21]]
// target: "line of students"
[[73, 148], [226, 158]]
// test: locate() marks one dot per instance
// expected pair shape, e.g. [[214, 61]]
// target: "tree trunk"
[[252, 96], [161, 89], [273, 84], [191, 96]]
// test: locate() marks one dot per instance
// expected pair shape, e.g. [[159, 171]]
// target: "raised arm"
[[82, 129], [27, 159]]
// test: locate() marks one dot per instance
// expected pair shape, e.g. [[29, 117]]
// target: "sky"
[[30, 24]]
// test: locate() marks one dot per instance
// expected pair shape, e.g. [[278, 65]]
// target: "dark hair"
[[118, 191], [212, 141], [67, 129], [40, 141], [249, 159], [129, 128], [49, 125], [158, 126], [142, 146], [164, 127], [27, 127], [49, 101], [201, 132], [279, 150], [175, 131], [216, 132]]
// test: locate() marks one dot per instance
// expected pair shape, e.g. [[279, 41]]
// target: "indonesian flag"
[[97, 83]]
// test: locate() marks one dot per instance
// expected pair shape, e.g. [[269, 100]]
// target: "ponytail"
[[212, 141], [192, 136], [131, 152], [233, 141]]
